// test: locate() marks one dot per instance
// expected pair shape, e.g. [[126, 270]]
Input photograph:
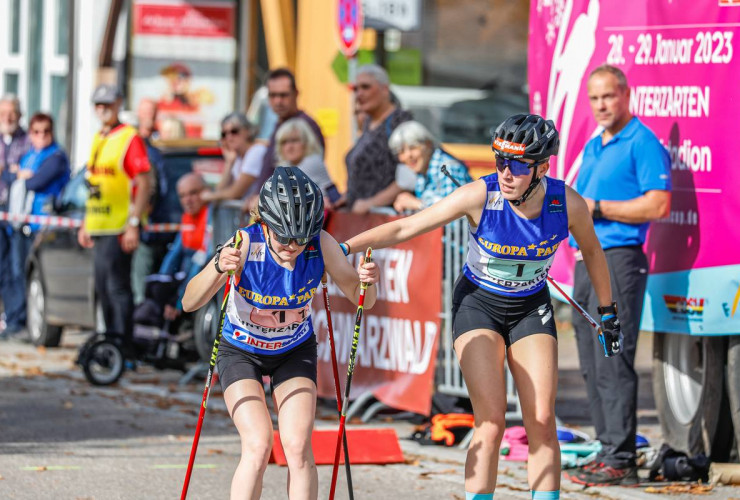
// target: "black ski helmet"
[[291, 204], [526, 136]]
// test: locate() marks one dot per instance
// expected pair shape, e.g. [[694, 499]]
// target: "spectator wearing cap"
[[371, 165], [418, 149], [282, 95], [243, 160], [118, 176], [15, 143]]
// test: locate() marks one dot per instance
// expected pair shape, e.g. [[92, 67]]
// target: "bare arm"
[[468, 201], [208, 281], [143, 193], [235, 190], [382, 198], [581, 227], [345, 276], [653, 205], [229, 159]]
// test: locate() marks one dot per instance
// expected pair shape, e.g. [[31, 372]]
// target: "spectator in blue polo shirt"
[[625, 179]]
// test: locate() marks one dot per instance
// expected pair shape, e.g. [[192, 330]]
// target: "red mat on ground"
[[366, 446]]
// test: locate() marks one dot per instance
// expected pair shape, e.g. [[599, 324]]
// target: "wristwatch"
[[597, 210], [134, 221]]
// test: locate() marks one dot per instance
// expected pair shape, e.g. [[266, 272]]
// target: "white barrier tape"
[[56, 221]]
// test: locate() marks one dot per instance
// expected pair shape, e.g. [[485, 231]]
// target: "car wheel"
[[206, 328], [104, 363], [41, 332]]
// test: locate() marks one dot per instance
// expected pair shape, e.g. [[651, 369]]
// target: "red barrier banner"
[[397, 351]]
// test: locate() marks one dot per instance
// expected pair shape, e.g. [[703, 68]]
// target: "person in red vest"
[[192, 246]]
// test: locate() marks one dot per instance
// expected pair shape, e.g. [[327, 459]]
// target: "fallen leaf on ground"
[[215, 452], [692, 489], [68, 405]]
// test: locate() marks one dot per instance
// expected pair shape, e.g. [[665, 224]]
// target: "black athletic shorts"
[[513, 317], [235, 364]]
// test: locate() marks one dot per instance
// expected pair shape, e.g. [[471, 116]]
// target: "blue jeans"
[[14, 249]]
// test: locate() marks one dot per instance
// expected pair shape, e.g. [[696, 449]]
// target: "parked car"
[[60, 284]]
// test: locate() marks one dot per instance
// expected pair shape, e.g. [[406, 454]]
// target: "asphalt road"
[[61, 438]]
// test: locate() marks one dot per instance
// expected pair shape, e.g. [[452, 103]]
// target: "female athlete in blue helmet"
[[267, 329], [501, 305]]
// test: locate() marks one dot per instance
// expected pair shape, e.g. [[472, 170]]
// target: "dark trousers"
[[113, 285], [13, 251], [612, 382]]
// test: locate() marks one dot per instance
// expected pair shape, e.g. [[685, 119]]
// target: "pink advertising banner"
[[682, 61]]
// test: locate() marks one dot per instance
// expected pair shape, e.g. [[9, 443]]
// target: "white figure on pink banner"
[[570, 60]]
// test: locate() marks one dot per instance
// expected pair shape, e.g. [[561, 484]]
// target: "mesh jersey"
[[269, 307], [510, 255]]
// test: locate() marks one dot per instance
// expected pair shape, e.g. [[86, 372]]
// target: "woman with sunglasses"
[[243, 160], [267, 330], [44, 171], [501, 305]]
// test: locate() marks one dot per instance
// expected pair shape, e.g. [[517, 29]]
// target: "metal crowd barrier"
[[227, 217], [449, 377]]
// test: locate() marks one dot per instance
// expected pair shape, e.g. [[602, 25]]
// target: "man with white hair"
[[15, 143]]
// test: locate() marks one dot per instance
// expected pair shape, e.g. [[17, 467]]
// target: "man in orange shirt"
[[119, 182]]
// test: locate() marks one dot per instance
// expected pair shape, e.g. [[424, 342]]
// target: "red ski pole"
[[337, 388], [211, 366], [350, 371]]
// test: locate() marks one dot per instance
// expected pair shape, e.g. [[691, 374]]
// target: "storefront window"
[[35, 55], [15, 27], [62, 45], [59, 105], [10, 83]]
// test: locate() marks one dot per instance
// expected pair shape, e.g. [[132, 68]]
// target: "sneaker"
[[605, 475]]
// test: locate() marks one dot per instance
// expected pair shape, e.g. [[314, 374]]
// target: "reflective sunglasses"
[[516, 167], [233, 131], [286, 241]]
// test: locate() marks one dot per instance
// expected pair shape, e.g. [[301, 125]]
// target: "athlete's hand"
[[229, 259], [369, 272], [611, 337]]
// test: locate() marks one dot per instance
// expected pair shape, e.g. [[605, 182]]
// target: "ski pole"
[[350, 371], [209, 377], [338, 389]]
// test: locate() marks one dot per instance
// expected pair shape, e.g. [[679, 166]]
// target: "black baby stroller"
[[163, 344]]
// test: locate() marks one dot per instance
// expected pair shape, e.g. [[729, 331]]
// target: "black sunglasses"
[[233, 131], [286, 241]]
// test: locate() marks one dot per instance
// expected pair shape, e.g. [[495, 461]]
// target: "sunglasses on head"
[[516, 167], [233, 131], [286, 241]]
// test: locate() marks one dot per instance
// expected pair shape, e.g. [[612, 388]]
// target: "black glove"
[[610, 336]]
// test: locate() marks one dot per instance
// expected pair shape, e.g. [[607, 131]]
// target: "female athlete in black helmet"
[[501, 304], [267, 330]]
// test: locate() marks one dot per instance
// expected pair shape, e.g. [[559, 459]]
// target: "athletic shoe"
[[605, 475]]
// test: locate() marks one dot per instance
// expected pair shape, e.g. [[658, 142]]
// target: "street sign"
[[349, 23], [404, 15]]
